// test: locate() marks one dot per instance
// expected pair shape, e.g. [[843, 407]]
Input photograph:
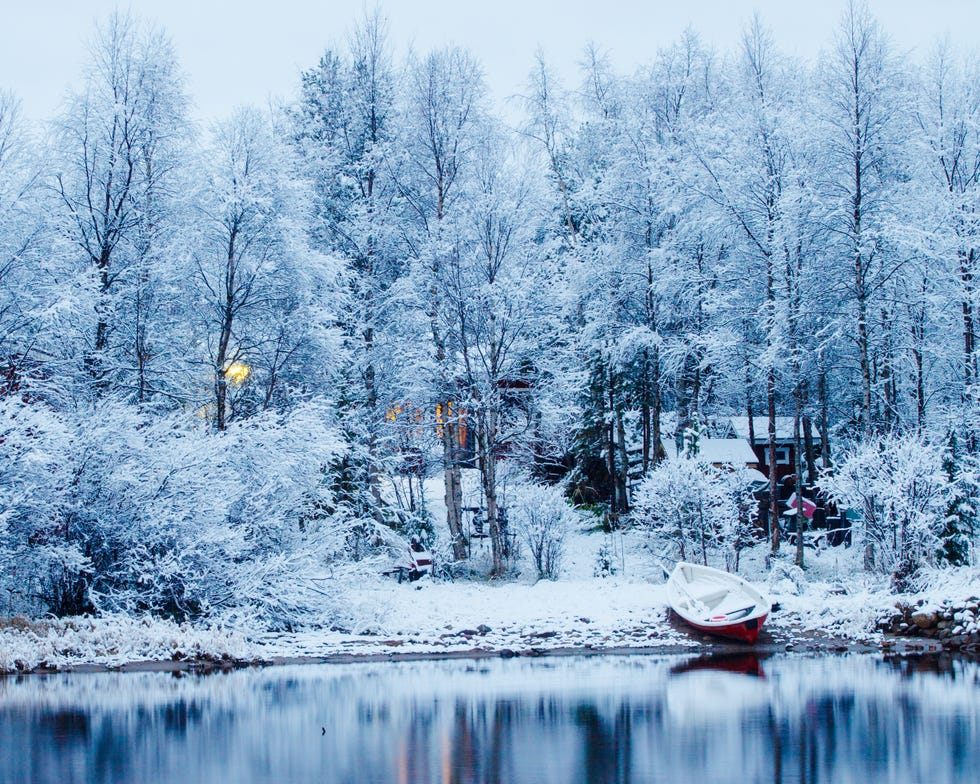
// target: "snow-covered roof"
[[739, 427], [733, 451]]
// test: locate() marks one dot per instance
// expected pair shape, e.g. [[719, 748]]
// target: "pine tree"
[[957, 531]]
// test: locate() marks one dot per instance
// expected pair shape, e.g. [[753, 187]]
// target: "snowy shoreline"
[[375, 618], [608, 617], [219, 658]]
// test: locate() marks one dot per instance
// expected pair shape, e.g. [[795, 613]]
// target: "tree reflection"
[[606, 749], [803, 721]]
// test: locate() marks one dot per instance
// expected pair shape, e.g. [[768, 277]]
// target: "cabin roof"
[[732, 451], [739, 428]]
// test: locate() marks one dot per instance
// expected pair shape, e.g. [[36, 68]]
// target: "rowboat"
[[717, 602]]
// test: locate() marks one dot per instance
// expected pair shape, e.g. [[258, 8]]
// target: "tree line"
[[231, 355]]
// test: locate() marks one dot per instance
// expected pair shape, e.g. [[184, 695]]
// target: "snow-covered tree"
[[942, 231], [22, 244], [443, 113], [860, 101], [693, 510], [344, 127], [957, 536], [499, 297], [257, 283], [542, 519], [900, 488], [119, 144]]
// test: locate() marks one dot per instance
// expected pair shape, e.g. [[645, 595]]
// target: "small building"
[[738, 429]]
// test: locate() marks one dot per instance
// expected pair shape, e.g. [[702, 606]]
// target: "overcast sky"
[[245, 51]]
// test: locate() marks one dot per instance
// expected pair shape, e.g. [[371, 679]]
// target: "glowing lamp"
[[237, 372]]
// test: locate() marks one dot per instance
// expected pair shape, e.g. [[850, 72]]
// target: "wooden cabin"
[[738, 428]]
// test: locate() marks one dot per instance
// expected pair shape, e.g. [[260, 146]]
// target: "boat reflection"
[[741, 663]]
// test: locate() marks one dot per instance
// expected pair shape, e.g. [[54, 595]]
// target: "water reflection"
[[596, 720], [744, 663]]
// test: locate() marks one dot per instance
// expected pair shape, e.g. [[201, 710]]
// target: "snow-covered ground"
[[830, 604], [833, 602]]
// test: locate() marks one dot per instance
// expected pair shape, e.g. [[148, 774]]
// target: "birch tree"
[[251, 272], [118, 136], [21, 242], [499, 295], [859, 109], [948, 118], [444, 108]]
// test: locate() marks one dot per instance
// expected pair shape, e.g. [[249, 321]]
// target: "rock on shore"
[[955, 625]]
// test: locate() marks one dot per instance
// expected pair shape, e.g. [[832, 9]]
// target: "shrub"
[[696, 509], [542, 517], [900, 487], [605, 561]]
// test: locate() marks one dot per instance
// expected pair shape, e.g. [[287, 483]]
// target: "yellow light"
[[237, 372]]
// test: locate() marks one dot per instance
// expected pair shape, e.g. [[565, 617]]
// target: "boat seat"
[[737, 603], [712, 597], [741, 612]]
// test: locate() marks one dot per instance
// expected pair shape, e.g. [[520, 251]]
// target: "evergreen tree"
[[957, 532]]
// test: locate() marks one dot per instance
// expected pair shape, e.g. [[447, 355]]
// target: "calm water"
[[596, 719]]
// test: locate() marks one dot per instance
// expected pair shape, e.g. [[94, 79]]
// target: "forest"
[[232, 357]]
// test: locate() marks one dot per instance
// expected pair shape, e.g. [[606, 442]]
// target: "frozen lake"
[[577, 719]]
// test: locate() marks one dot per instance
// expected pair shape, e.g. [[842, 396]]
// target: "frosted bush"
[[786, 579], [898, 485], [542, 518], [694, 510], [116, 512]]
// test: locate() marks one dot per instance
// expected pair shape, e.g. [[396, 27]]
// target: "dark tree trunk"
[[773, 491]]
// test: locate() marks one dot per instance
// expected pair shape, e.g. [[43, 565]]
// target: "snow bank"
[[112, 641]]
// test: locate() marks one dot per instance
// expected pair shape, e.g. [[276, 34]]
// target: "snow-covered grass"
[[444, 616], [111, 641]]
